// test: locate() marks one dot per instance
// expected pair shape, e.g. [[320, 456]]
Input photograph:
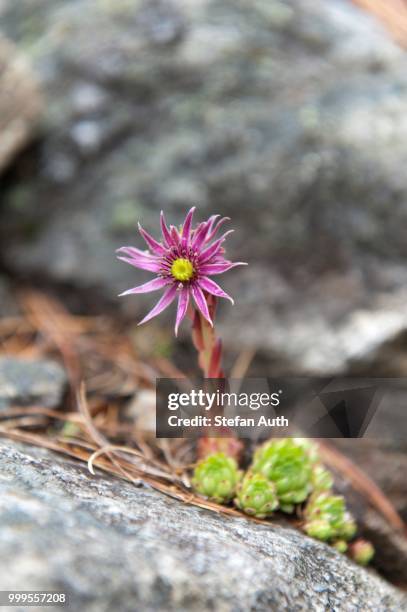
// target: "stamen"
[[182, 269]]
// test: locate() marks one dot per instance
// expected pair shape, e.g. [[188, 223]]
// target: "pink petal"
[[152, 243], [215, 229], [144, 264], [162, 304], [175, 235], [132, 251], [211, 287], [212, 250], [182, 308], [199, 236], [186, 227], [153, 285], [165, 231], [201, 302], [211, 221], [208, 230], [220, 268]]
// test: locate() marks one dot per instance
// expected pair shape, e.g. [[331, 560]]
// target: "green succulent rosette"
[[326, 518], [362, 552], [322, 479], [256, 496], [310, 448], [287, 464], [340, 545], [216, 477]]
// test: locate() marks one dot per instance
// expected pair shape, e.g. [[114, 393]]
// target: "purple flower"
[[183, 262]]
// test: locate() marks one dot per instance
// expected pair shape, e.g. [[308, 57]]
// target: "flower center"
[[182, 269]]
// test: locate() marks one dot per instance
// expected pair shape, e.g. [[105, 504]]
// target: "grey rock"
[[20, 102], [111, 545], [287, 116], [38, 382]]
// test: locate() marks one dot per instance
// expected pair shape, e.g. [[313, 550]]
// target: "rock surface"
[[287, 116], [20, 102], [110, 546], [23, 382]]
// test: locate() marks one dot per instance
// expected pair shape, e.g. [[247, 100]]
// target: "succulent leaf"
[[322, 479]]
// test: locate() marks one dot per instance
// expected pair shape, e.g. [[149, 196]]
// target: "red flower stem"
[[208, 346], [209, 349]]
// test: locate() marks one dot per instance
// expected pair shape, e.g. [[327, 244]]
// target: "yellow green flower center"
[[182, 269]]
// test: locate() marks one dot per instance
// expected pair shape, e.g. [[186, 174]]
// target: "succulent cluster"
[[216, 477], [288, 465], [284, 473], [256, 496], [361, 551], [326, 518]]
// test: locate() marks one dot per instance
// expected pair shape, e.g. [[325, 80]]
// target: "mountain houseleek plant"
[[184, 261], [285, 474]]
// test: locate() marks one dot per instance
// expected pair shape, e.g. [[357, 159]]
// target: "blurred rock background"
[[289, 117]]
